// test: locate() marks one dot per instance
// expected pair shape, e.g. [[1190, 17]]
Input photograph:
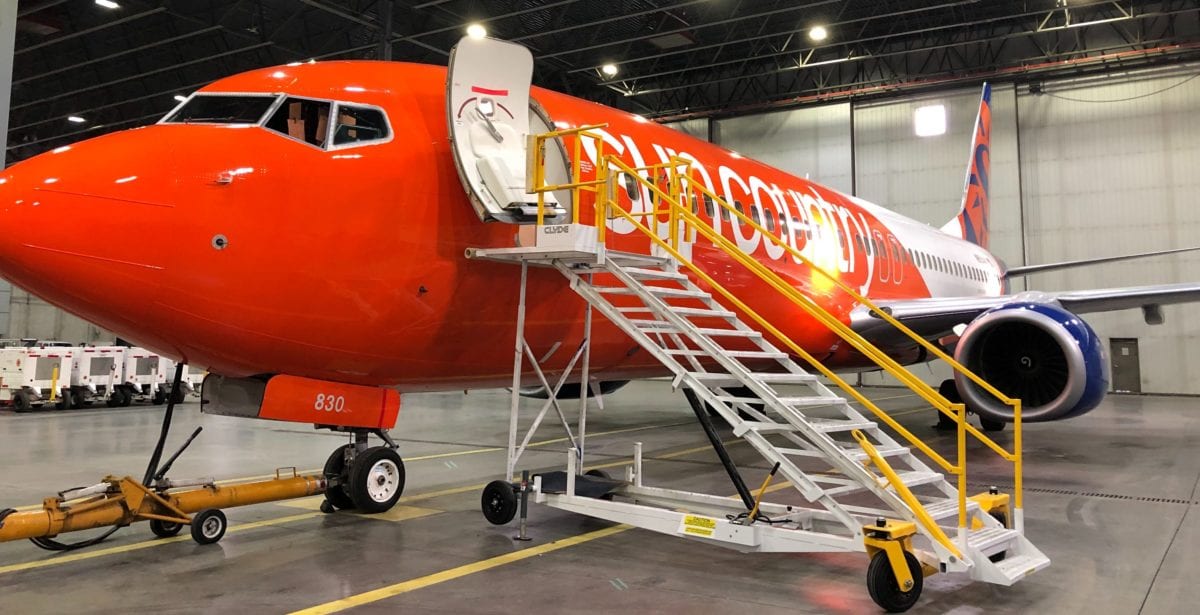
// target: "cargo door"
[[488, 112]]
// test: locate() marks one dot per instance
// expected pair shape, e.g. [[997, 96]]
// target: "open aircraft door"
[[490, 116]]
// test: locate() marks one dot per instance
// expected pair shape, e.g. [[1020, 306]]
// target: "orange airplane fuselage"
[[243, 250]]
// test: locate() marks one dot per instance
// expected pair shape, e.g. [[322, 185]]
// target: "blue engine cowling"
[[1038, 352]]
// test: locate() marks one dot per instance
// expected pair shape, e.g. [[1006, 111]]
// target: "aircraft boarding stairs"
[[789, 417], [864, 490]]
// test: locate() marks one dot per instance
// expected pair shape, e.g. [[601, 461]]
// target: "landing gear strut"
[[369, 479]]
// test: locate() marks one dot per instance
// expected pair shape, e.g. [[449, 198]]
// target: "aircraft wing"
[[937, 318]]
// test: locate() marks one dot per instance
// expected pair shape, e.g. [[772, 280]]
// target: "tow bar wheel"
[[165, 529], [208, 526], [499, 502], [376, 480], [885, 590]]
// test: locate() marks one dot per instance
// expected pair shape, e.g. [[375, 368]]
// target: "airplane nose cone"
[[83, 222]]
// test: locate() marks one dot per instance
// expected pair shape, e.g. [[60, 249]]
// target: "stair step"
[[739, 354], [682, 311], [911, 479], [1018, 567], [730, 333], [945, 509], [718, 380], [856, 455], [626, 259], [661, 291], [763, 428], [654, 274], [792, 402], [989, 539], [836, 425]]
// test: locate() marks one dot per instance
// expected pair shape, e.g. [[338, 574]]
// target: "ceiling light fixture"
[[818, 33], [108, 4], [476, 31], [75, 119], [180, 98], [609, 70]]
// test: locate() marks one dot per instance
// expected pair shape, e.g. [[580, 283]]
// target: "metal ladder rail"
[[875, 484], [875, 431], [809, 488]]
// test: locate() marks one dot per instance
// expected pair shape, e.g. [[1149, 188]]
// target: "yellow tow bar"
[[117, 502]]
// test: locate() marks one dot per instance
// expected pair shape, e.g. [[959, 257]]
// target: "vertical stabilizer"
[[971, 223]]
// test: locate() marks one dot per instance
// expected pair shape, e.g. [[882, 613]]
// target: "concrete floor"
[[1108, 499]]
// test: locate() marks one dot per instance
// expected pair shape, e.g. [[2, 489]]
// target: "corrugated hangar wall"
[[1081, 170]]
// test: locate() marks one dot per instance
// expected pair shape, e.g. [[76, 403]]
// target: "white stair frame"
[[830, 525]]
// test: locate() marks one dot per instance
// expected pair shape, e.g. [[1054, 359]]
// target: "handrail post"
[[1018, 469], [539, 175], [960, 411]]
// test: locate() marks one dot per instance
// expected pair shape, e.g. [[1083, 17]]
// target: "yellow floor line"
[[456, 573], [85, 555]]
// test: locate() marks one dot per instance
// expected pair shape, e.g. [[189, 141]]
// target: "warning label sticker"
[[695, 525]]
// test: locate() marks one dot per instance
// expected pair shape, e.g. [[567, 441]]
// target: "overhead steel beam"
[[104, 26], [8, 40]]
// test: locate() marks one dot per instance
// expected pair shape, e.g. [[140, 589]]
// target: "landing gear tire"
[[990, 425], [165, 529], [335, 470], [949, 390], [376, 480], [499, 502], [883, 587], [21, 401], [208, 526]]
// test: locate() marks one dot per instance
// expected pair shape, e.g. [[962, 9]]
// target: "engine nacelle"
[[1038, 352]]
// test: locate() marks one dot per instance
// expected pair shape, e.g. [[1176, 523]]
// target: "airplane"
[[302, 231]]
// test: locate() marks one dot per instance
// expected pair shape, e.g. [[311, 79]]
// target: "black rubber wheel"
[[126, 397], [64, 400], [881, 583], [1003, 519], [165, 529], [159, 397], [499, 502], [21, 401], [598, 473], [114, 398], [949, 390], [376, 480], [78, 399], [179, 397], [208, 526], [327, 508], [335, 469], [991, 426]]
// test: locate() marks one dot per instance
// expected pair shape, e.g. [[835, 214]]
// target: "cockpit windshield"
[[222, 109]]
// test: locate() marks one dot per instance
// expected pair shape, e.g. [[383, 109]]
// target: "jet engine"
[[1038, 352]]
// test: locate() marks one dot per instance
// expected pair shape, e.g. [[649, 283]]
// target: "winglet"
[[971, 223]]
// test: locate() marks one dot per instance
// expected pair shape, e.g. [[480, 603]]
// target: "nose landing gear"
[[369, 479]]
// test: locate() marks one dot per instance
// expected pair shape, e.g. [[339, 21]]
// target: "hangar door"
[[1126, 366], [490, 117]]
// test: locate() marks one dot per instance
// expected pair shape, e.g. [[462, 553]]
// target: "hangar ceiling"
[[121, 65]]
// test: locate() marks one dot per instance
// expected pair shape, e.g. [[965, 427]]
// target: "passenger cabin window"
[[303, 120], [756, 215], [359, 124], [770, 220], [222, 109], [708, 206]]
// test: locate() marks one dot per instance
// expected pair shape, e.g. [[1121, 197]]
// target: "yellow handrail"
[[677, 211]]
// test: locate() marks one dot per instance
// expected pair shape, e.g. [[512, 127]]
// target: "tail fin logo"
[[976, 204]]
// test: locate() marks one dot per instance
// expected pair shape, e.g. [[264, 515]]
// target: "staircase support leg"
[[715, 439], [519, 355]]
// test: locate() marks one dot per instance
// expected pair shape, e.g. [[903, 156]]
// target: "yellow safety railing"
[[672, 203]]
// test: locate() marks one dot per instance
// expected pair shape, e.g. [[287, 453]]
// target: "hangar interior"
[[1093, 154]]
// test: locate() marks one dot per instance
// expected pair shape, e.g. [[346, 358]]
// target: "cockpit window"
[[302, 119], [222, 109], [357, 124]]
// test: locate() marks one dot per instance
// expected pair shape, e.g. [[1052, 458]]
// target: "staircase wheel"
[[499, 502], [883, 587], [1003, 519]]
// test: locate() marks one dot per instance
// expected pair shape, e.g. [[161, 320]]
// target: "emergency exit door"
[[1126, 367]]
